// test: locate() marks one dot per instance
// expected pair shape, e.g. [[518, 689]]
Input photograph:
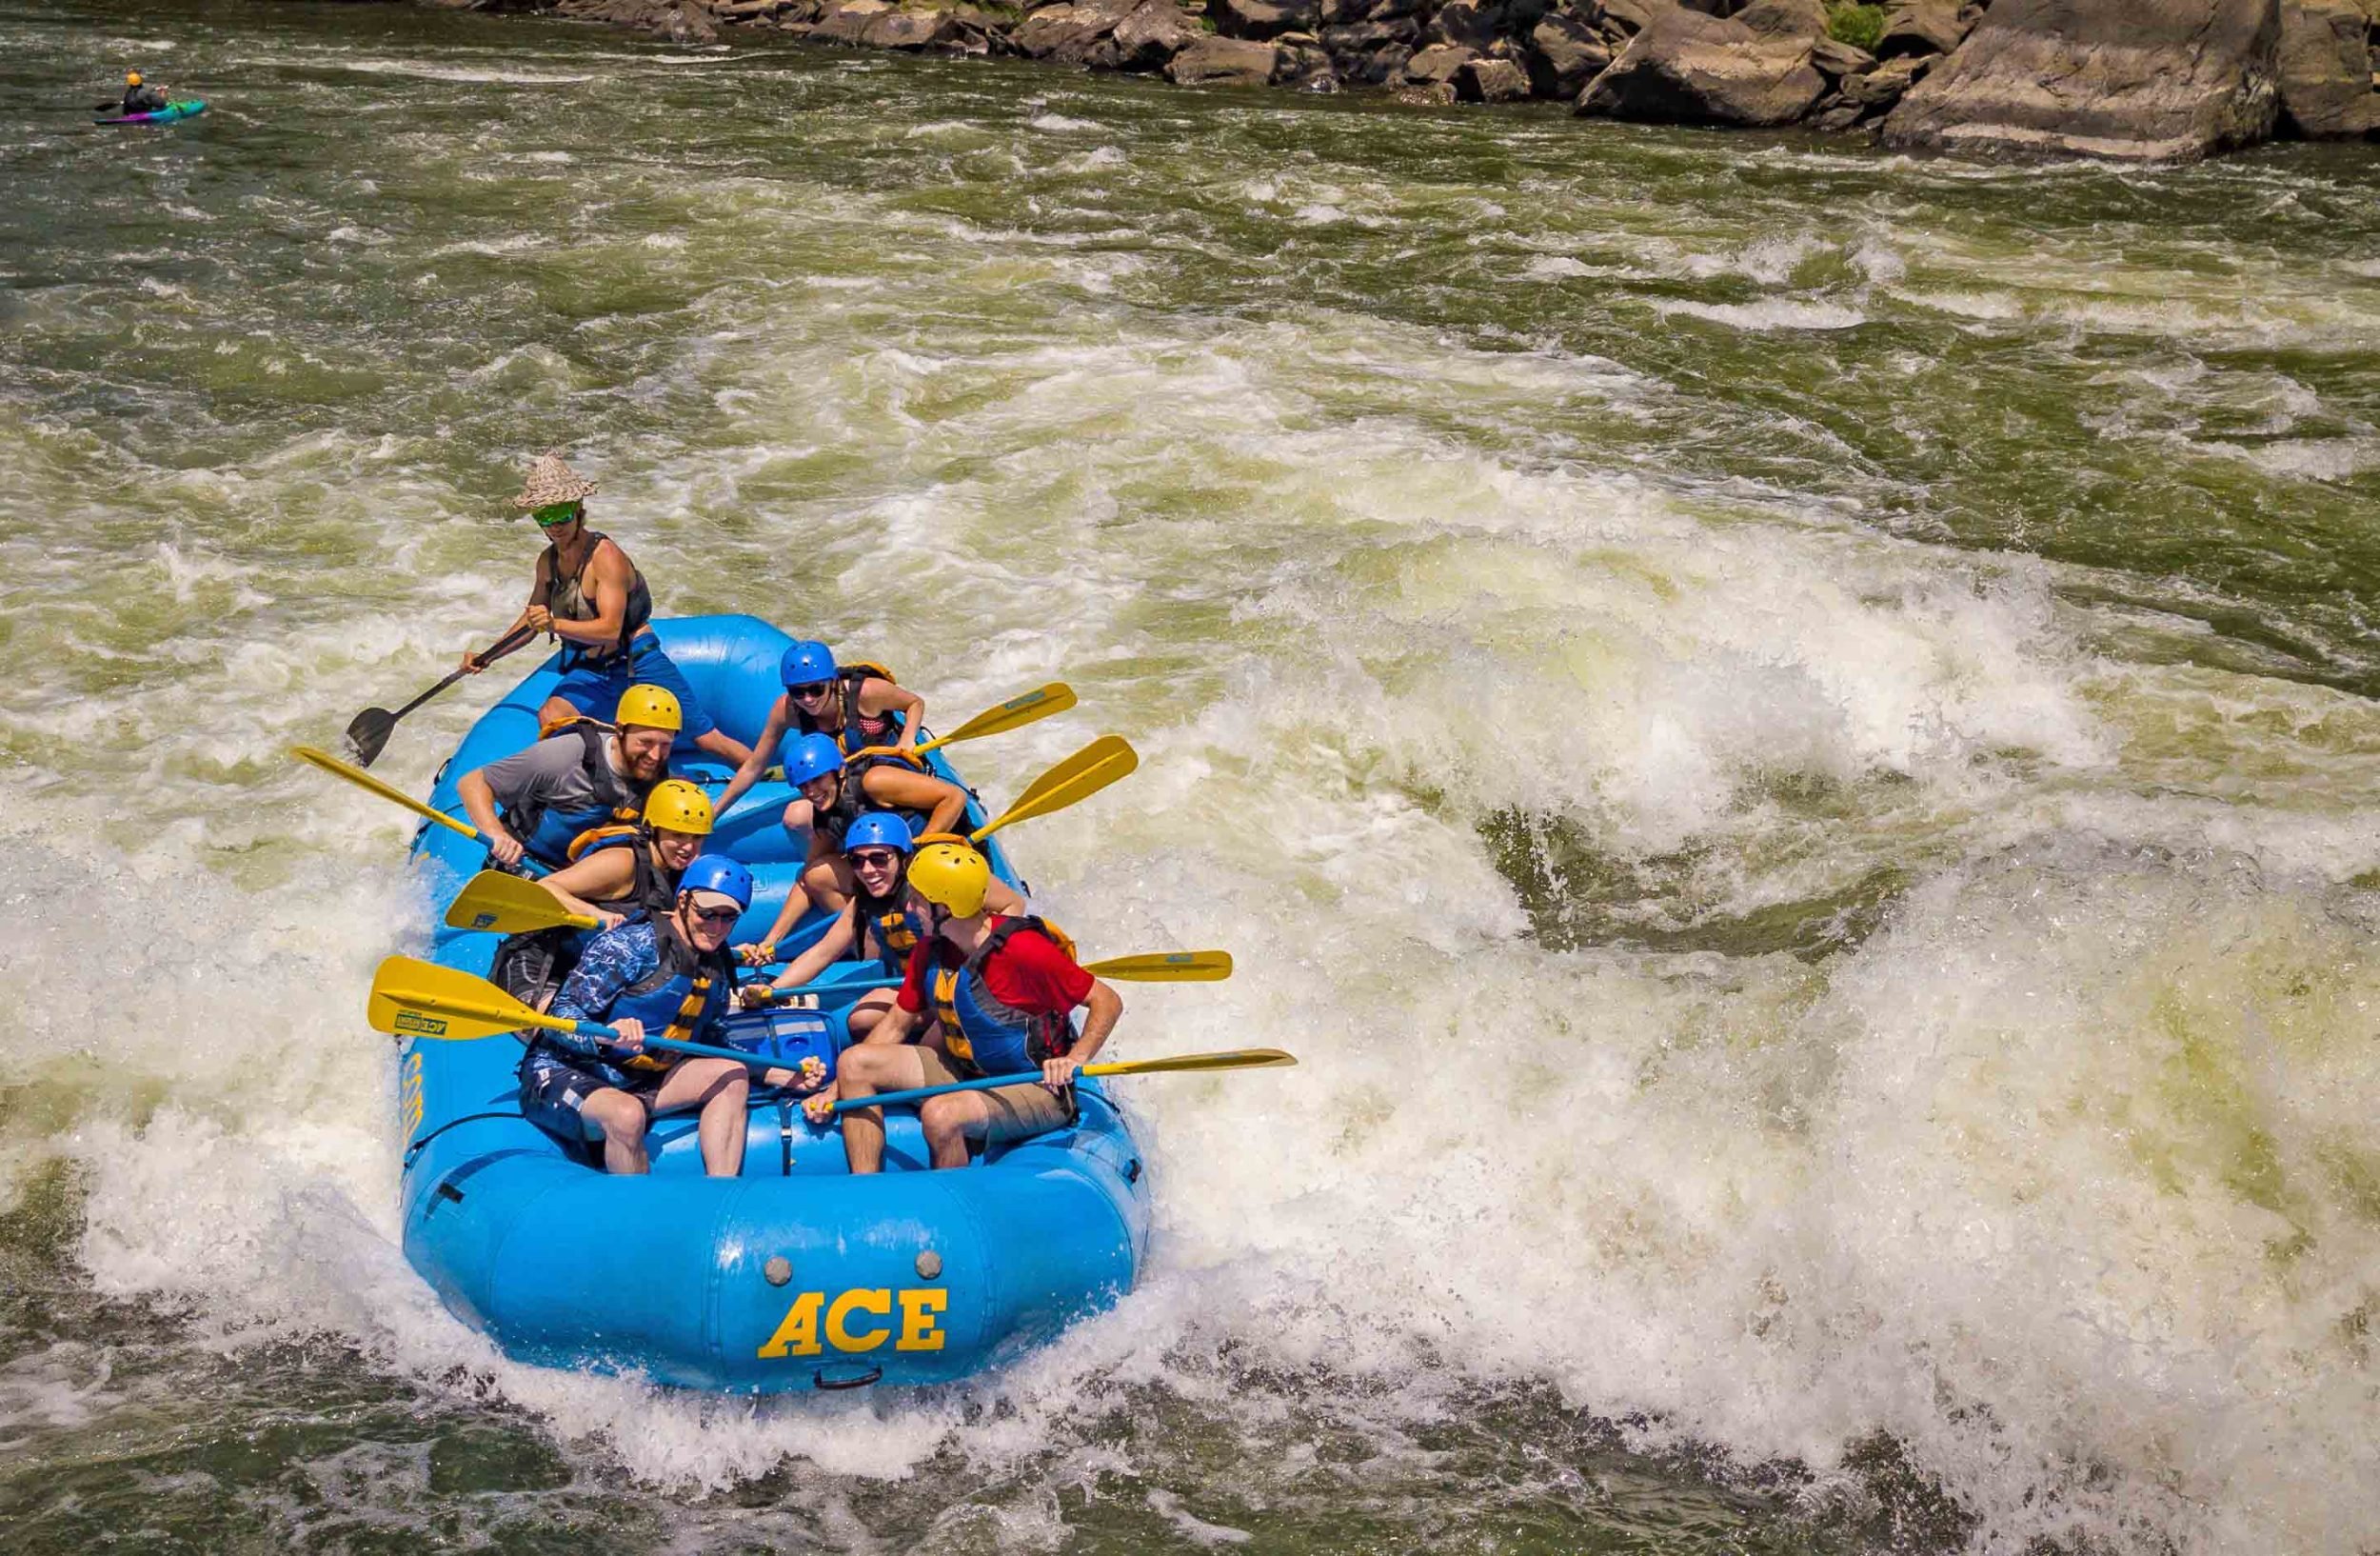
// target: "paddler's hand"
[[752, 996], [757, 954], [539, 619], [471, 662], [1058, 1073], [820, 1107], [813, 1074], [504, 847], [606, 919], [628, 1035]]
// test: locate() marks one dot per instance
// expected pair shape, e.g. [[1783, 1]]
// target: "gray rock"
[[1371, 53], [1263, 18], [1840, 59], [1151, 36], [2324, 62], [2140, 79], [1432, 95], [847, 21], [1920, 27], [1836, 114], [1225, 61], [1465, 22], [679, 21], [1686, 68], [1071, 32], [1886, 83], [924, 31], [1439, 62], [1491, 80], [1564, 54]]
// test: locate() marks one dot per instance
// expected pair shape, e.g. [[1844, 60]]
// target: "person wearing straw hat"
[[587, 593]]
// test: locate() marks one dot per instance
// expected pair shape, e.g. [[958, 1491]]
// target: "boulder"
[[1491, 80], [2325, 64], [2142, 79], [1564, 54], [1225, 61], [679, 21], [1627, 17], [1686, 68], [1886, 85], [1838, 59], [748, 10], [1263, 18], [1920, 27], [1371, 53], [1071, 31], [1439, 62], [1150, 37], [1468, 24], [1432, 95], [847, 21]]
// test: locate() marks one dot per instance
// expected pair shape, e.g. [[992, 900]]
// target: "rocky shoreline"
[[2152, 80]]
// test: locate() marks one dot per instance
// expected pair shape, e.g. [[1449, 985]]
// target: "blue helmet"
[[717, 873], [806, 663], [813, 756], [878, 829]]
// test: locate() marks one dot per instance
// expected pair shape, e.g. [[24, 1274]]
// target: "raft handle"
[[832, 1385]]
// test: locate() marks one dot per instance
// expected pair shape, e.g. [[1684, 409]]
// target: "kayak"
[[795, 1275], [188, 107]]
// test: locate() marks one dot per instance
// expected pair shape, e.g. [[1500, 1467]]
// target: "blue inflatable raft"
[[795, 1275]]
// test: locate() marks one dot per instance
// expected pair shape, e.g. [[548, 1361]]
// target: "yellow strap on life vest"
[[595, 835]]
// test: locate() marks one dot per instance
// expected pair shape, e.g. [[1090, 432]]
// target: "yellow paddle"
[[1165, 967], [370, 785], [1228, 1059], [509, 905], [1013, 714], [417, 999], [1076, 778]]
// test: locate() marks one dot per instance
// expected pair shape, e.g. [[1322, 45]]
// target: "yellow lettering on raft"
[[918, 1330], [861, 1299], [798, 1334], [920, 1322]]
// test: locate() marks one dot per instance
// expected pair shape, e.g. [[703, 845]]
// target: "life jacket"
[[895, 924], [532, 968], [548, 831], [672, 999], [566, 598], [858, 730], [985, 1035]]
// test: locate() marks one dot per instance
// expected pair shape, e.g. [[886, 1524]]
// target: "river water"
[[1785, 732]]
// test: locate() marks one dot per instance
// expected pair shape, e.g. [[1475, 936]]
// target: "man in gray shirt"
[[573, 782]]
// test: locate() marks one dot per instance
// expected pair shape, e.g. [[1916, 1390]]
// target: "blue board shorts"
[[554, 1086], [595, 690]]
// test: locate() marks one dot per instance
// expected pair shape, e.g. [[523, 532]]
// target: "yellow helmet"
[[132, 78], [955, 875], [679, 807], [655, 708]]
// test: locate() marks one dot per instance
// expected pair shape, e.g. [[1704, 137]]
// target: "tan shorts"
[[1018, 1112]]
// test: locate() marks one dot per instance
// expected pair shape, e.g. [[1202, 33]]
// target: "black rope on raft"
[[415, 1149]]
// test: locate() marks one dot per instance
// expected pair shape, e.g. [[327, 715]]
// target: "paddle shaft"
[[496, 650], [601, 1033], [1250, 1058]]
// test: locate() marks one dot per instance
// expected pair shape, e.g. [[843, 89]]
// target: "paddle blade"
[[368, 735], [1013, 714], [1165, 967], [1076, 778], [370, 785], [507, 905], [414, 998], [1228, 1059]]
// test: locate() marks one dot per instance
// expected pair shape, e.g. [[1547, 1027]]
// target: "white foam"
[[1771, 314]]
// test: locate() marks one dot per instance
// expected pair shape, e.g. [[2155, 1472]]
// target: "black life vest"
[[532, 967], [858, 730], [894, 925], [549, 831], [566, 598]]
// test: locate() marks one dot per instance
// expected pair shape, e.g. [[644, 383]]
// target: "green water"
[[1784, 730]]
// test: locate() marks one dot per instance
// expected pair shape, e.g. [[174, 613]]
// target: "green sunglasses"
[[554, 514]]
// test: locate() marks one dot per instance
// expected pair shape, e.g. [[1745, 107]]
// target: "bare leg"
[[863, 1072], [718, 1087], [619, 1120], [554, 713], [950, 1121], [828, 882], [719, 742], [870, 1010]]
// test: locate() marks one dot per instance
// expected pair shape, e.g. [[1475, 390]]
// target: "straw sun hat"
[[551, 481]]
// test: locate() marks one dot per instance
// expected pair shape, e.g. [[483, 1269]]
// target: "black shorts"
[[555, 1085]]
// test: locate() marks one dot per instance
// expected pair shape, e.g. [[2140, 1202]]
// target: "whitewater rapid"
[[1802, 956]]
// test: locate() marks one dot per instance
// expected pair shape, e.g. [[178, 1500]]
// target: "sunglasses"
[[555, 513], [875, 858], [816, 688], [718, 915]]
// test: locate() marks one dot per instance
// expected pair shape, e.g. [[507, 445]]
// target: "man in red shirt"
[[997, 991]]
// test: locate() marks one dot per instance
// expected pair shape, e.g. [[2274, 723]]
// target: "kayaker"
[[831, 796], [587, 593], [621, 870], [879, 923], [669, 975], [999, 992], [572, 783], [140, 97]]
